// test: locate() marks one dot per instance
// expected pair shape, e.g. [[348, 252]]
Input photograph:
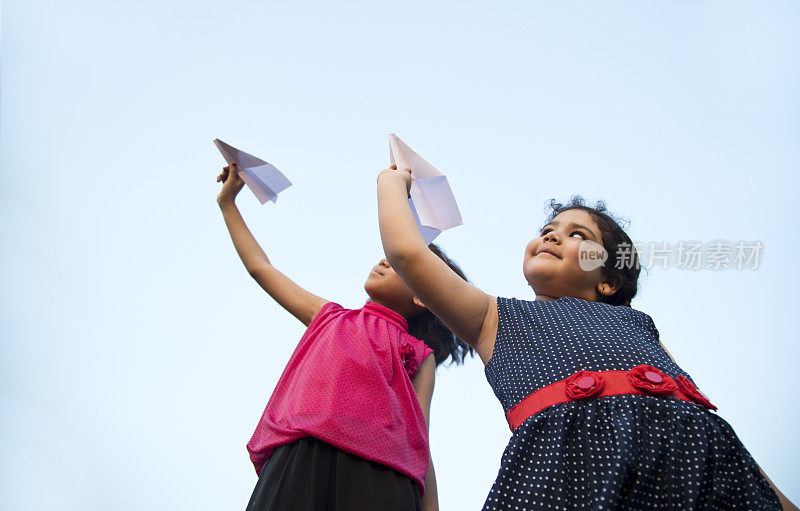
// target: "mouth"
[[548, 252], [375, 271]]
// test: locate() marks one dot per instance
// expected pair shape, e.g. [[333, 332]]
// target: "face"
[[551, 264], [385, 287]]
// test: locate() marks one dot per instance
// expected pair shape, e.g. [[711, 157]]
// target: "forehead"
[[575, 216]]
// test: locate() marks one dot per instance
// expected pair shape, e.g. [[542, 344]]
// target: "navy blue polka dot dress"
[[615, 452]]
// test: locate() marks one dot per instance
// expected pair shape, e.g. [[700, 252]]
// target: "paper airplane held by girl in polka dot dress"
[[263, 179], [432, 200]]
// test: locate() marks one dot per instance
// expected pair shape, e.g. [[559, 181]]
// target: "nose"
[[384, 262], [551, 237]]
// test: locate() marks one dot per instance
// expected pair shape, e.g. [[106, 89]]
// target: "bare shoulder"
[[485, 343]]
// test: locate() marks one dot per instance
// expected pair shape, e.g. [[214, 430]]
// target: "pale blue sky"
[[137, 353]]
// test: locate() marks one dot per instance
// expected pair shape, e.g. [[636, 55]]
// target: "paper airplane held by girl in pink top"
[[263, 179]]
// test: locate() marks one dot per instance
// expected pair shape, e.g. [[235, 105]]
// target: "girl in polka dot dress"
[[602, 416], [346, 428]]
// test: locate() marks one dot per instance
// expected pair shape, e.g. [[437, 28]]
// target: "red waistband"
[[643, 380]]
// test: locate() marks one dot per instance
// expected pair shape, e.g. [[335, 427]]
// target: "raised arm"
[[299, 302], [469, 312]]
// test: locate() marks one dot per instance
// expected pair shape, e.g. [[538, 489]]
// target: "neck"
[[408, 314], [548, 298]]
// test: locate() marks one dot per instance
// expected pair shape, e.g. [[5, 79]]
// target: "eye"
[[579, 233], [545, 231]]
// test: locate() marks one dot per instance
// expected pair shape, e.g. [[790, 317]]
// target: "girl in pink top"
[[346, 427]]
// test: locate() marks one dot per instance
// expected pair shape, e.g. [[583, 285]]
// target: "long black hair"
[[622, 266], [430, 329]]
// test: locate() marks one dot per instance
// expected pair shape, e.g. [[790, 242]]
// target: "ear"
[[610, 286], [418, 303]]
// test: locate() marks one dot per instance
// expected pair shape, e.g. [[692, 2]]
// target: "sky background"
[[137, 353]]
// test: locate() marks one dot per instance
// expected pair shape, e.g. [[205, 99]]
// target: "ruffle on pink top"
[[348, 383]]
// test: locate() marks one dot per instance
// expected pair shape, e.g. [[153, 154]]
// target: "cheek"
[[398, 287], [571, 250], [532, 247], [529, 262]]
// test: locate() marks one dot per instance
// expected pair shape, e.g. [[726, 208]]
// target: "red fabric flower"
[[408, 358], [651, 380], [584, 384], [691, 390]]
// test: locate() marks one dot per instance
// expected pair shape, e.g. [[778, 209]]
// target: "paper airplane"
[[263, 179], [432, 200]]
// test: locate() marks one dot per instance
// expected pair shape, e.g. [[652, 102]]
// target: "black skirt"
[[311, 475]]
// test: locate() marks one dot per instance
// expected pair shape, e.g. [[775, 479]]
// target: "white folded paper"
[[265, 181], [432, 200]]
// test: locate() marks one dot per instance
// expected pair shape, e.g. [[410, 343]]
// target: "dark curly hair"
[[622, 266], [430, 329]]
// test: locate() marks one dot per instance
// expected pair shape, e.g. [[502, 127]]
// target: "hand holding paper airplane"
[[265, 181], [432, 200]]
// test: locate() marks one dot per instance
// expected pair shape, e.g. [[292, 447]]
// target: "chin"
[[534, 272], [543, 284], [369, 290], [373, 292]]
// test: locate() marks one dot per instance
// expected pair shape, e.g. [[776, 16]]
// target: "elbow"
[[257, 271], [395, 252], [396, 257], [404, 257]]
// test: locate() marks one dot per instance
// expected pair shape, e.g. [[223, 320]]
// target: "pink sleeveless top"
[[348, 383]]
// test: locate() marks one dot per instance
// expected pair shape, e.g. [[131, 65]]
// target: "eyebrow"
[[572, 224]]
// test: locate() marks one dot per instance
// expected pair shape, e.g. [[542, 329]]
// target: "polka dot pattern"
[[617, 452]]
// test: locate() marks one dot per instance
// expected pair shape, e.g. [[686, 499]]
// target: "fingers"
[[393, 166], [226, 171]]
